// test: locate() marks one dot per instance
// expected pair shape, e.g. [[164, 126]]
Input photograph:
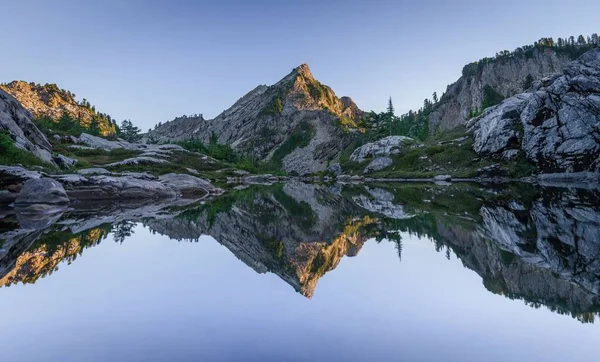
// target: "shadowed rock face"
[[266, 117], [555, 125], [18, 122], [506, 77], [541, 245]]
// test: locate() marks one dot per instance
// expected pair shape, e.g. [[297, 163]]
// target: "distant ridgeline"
[[483, 84], [56, 109]]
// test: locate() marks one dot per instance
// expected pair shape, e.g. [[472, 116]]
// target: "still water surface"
[[301, 272]]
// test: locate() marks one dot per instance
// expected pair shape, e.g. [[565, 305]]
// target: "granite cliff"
[[556, 124], [505, 76]]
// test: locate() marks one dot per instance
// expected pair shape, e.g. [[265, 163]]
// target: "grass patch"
[[12, 155], [299, 138]]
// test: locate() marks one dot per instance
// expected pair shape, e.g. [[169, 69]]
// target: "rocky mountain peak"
[[298, 123], [304, 71]]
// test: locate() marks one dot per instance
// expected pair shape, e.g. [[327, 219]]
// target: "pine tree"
[[128, 131], [94, 126], [390, 107], [435, 97]]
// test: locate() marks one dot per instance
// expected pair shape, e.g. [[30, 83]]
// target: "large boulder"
[[556, 126], [11, 182], [42, 191], [382, 148]]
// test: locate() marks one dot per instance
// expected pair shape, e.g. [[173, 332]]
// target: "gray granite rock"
[[42, 191], [557, 126], [18, 122], [189, 185], [378, 164], [64, 162], [384, 147]]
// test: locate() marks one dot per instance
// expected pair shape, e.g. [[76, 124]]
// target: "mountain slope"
[[297, 123], [50, 101]]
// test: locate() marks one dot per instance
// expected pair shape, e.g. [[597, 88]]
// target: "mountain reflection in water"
[[537, 244]]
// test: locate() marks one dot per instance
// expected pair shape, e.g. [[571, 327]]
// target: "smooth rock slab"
[[188, 185]]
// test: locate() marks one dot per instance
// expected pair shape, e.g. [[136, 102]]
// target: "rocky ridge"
[[272, 118], [50, 101]]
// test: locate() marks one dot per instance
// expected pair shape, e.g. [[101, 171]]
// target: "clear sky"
[[151, 61]]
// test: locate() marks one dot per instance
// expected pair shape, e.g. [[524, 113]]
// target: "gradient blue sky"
[[153, 60]]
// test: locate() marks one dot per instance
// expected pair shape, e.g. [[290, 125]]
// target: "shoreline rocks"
[[30, 187]]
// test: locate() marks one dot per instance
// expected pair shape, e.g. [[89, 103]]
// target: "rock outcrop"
[[296, 122], [379, 152], [42, 191], [18, 123], [50, 101], [556, 125], [386, 146], [506, 76], [30, 187]]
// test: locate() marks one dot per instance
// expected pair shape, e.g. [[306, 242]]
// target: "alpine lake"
[[309, 272]]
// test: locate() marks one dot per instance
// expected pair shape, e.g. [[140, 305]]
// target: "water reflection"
[[536, 244]]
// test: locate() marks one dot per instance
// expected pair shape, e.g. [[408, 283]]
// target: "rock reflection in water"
[[537, 244]]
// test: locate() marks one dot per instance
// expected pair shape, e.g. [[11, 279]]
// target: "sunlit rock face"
[[299, 114], [50, 101], [45, 254]]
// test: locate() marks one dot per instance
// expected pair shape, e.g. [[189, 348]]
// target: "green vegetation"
[[227, 154], [520, 167], [490, 97], [528, 81], [319, 92], [274, 107], [411, 124], [65, 125], [12, 155], [300, 137], [444, 153], [570, 46], [98, 157], [128, 131], [301, 212]]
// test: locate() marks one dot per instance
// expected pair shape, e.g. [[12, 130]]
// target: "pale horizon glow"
[[151, 61]]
